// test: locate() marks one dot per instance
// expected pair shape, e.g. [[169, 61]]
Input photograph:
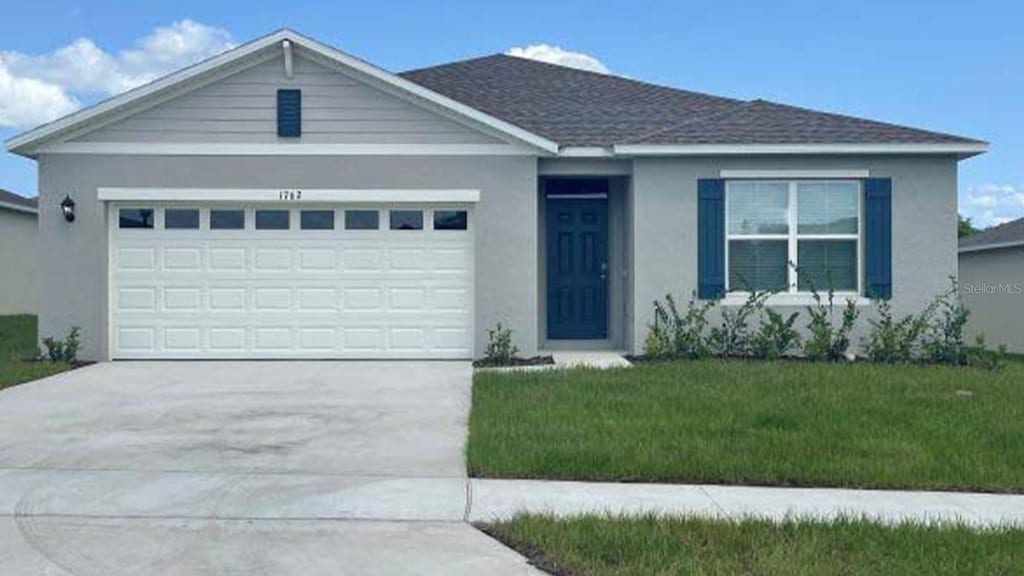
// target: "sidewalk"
[[501, 499]]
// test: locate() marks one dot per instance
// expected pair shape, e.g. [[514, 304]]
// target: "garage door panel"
[[291, 294]]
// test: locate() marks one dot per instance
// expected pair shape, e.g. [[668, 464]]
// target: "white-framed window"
[[792, 235]]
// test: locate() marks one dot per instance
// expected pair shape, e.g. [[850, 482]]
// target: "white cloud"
[[557, 55], [37, 88], [992, 204]]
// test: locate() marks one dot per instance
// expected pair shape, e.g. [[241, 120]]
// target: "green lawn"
[[17, 348], [743, 422], [592, 545]]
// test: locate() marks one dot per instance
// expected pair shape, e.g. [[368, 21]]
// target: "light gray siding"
[[19, 274], [665, 224], [336, 109], [992, 282], [74, 256]]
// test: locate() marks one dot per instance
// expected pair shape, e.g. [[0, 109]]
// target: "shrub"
[[827, 341], [500, 349], [732, 338], [894, 341], [675, 335], [775, 336], [981, 356], [945, 339], [65, 350]]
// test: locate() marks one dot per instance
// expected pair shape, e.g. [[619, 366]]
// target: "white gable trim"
[[284, 149], [984, 247], [27, 143]]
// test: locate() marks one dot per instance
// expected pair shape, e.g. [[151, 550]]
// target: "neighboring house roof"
[[553, 109], [581, 108], [12, 201], [1004, 235]]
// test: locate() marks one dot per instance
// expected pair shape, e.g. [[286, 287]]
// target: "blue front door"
[[577, 267]]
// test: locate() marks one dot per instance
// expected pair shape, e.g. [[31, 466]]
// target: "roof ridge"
[[710, 116], [444, 64], [570, 69]]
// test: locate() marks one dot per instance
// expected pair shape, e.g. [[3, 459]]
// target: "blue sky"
[[949, 66]]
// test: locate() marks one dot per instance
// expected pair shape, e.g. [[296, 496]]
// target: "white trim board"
[[287, 195], [18, 208], [289, 149], [26, 144], [965, 148], [769, 174]]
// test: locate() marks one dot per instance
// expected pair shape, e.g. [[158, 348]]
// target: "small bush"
[[66, 350], [676, 335], [945, 339], [826, 341], [944, 342], [732, 337], [775, 336], [500, 349], [894, 341]]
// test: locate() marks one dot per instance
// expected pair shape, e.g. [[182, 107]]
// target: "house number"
[[290, 194]]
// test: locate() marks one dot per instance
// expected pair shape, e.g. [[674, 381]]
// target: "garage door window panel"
[[362, 220], [181, 219], [136, 218], [406, 219], [272, 219], [450, 220], [227, 219], [316, 219]]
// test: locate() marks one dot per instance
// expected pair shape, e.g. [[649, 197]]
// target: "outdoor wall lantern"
[[67, 207]]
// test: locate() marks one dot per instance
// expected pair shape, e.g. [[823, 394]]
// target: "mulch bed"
[[534, 361]]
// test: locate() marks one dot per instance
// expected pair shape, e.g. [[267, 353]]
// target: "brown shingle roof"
[[580, 108]]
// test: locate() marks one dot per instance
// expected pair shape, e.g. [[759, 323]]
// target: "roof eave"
[[18, 208], [986, 247], [960, 149]]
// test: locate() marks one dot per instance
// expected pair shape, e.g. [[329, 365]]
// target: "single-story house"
[[992, 283], [19, 270], [288, 200]]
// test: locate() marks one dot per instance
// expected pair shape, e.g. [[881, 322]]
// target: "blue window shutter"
[[710, 239], [289, 113], [878, 238]]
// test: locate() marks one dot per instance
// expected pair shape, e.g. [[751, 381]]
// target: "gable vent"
[[289, 113]]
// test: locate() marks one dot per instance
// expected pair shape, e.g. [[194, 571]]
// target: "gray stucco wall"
[[74, 256], [19, 274], [992, 283], [665, 224]]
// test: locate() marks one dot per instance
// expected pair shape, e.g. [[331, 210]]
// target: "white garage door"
[[269, 281]]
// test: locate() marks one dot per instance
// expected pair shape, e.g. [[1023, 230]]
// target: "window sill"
[[803, 299]]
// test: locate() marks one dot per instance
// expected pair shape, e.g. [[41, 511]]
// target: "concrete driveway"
[[241, 467]]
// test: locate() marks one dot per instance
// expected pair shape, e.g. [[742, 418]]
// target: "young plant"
[[894, 341], [64, 351], [678, 335], [733, 337], [826, 341], [945, 341], [500, 350], [775, 336]]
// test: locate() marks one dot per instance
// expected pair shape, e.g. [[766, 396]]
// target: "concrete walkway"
[[502, 499]]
